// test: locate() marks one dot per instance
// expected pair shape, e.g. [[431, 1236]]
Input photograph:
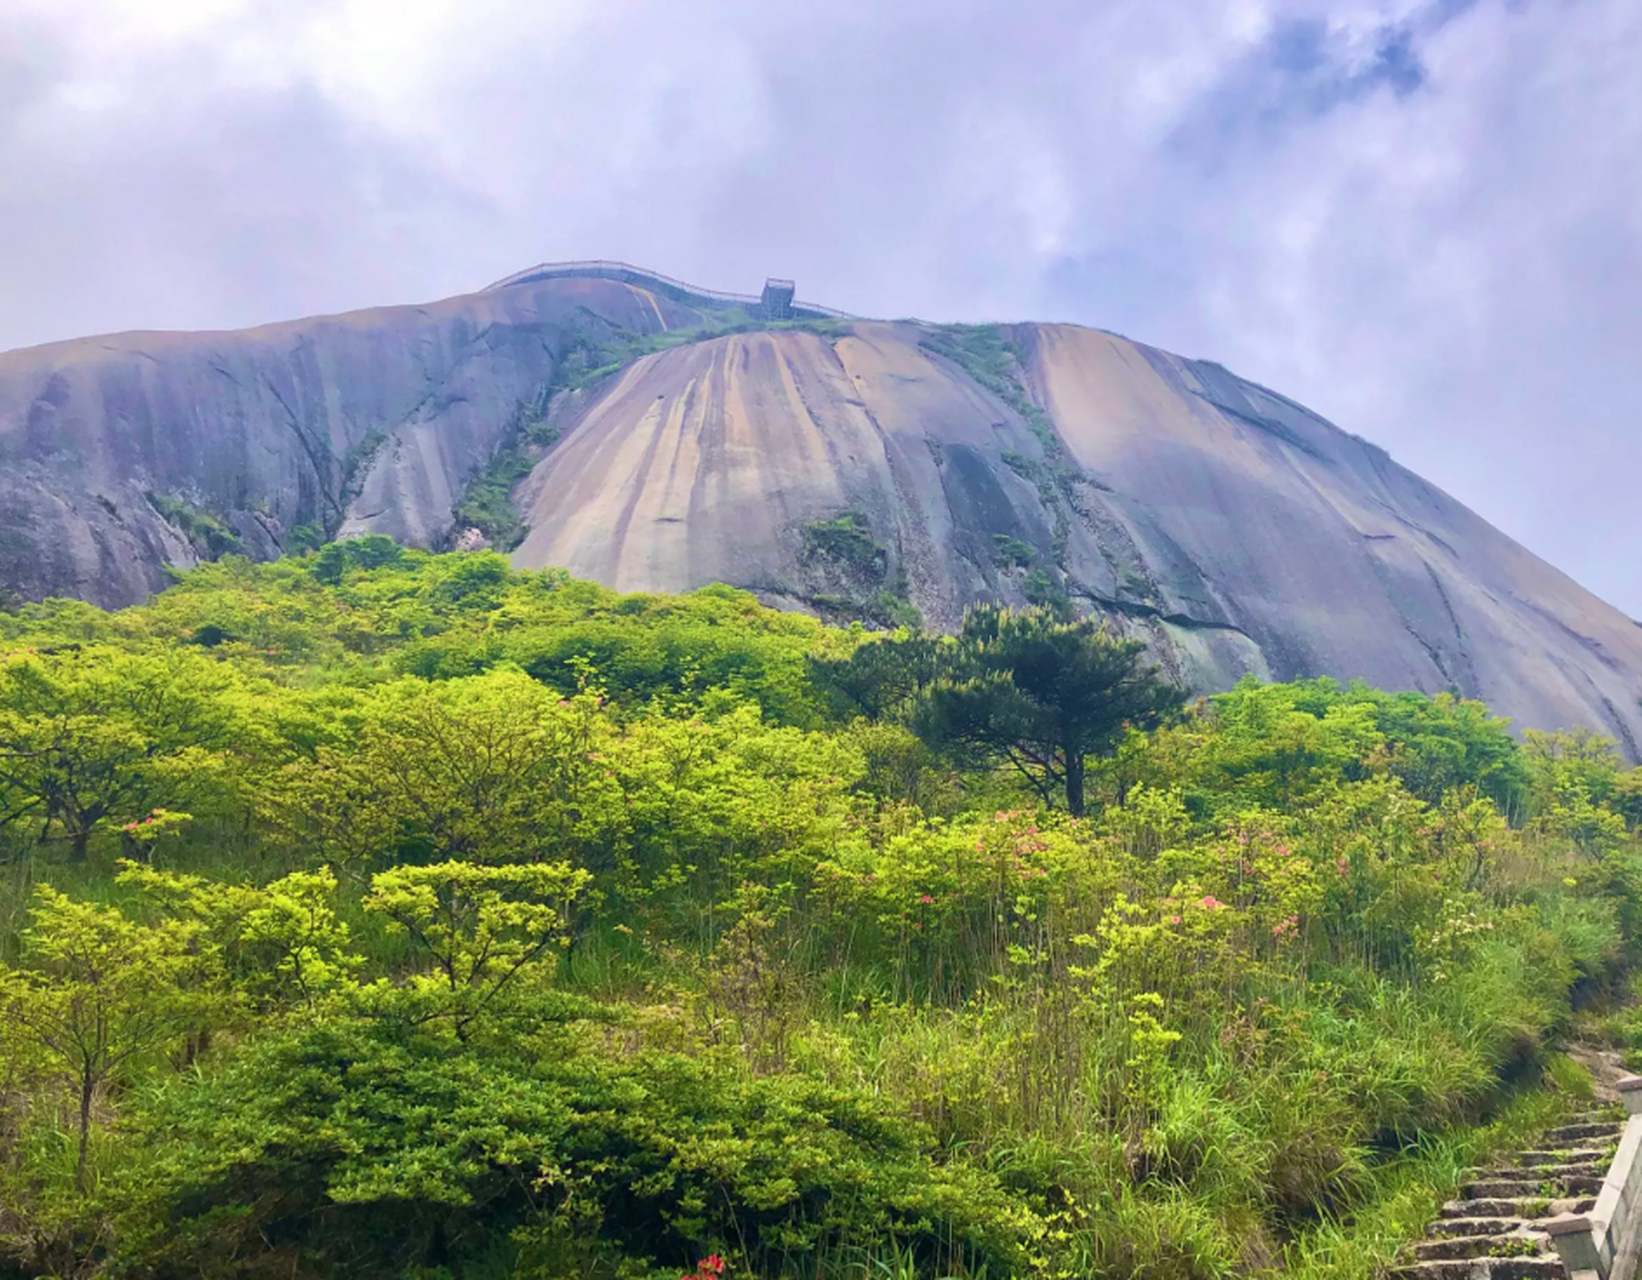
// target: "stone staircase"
[[1496, 1230]]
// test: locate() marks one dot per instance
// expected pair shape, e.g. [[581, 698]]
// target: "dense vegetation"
[[385, 914]]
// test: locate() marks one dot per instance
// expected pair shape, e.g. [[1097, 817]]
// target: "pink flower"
[[1212, 903], [1174, 919], [925, 899]]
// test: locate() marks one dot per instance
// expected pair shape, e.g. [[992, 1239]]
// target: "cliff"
[[668, 438]]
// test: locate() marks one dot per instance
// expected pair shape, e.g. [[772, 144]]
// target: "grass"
[[1406, 1192]]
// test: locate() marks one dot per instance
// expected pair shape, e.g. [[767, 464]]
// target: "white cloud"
[[1450, 269]]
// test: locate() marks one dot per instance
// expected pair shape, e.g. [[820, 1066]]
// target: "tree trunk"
[[1074, 783], [77, 847], [88, 1085]]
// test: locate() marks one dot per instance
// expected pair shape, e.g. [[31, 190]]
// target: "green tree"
[[1275, 743], [494, 768], [882, 677], [1627, 797], [1042, 694], [351, 1148], [93, 735], [279, 946], [98, 991], [478, 928]]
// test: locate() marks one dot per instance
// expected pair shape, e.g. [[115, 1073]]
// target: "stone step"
[[1526, 1171], [1501, 1189], [1494, 1245], [1575, 1154], [1473, 1226], [1537, 1268], [1581, 1204], [1494, 1206], [1570, 1133], [1516, 1207], [1530, 1211], [1456, 1269], [1573, 1184]]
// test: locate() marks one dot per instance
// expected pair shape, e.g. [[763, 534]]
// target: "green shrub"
[[315, 1145]]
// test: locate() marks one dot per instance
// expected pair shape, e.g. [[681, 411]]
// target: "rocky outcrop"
[[1237, 531], [115, 452], [1250, 511], [849, 468]]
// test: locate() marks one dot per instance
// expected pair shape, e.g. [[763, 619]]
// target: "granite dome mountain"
[[657, 437]]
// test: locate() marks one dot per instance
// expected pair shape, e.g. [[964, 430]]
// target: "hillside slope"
[[850, 468]]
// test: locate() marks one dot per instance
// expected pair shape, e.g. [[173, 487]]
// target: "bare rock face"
[[848, 468], [1234, 529], [1250, 512], [369, 422]]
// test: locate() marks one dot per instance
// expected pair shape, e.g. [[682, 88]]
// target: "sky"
[[1421, 218]]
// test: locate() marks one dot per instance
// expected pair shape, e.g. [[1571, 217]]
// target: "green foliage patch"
[[379, 913], [847, 540], [209, 536], [991, 359], [1013, 552]]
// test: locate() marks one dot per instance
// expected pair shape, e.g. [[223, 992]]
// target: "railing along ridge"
[[627, 273]]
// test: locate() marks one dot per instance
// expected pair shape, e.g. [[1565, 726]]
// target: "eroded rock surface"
[[1234, 528], [365, 422]]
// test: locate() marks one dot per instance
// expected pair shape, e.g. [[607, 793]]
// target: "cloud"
[[1422, 217]]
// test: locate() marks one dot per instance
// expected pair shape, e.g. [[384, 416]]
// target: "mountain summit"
[[657, 437]]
